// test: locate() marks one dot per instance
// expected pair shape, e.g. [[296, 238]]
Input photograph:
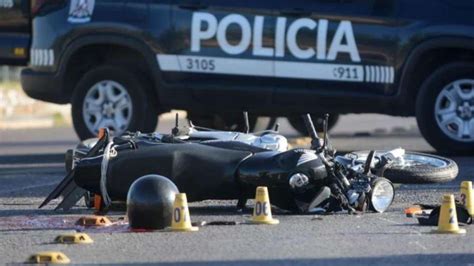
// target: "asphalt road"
[[31, 163]]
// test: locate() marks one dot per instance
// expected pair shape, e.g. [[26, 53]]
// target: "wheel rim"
[[414, 160], [406, 161], [107, 104], [454, 110]]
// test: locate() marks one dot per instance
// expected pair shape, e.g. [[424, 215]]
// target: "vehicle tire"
[[113, 97], [228, 122], [419, 168], [445, 108], [297, 122]]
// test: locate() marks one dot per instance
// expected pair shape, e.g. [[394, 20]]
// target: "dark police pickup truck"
[[120, 63], [14, 32]]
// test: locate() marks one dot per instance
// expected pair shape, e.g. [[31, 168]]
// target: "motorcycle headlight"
[[381, 195]]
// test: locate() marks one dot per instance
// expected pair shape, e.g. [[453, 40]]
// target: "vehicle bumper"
[[14, 49], [45, 86]]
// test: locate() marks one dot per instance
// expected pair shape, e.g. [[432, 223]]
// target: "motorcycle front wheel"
[[417, 168]]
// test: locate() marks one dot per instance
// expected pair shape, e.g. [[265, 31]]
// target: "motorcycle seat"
[[200, 171]]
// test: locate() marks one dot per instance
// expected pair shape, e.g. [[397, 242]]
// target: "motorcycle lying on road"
[[208, 164]]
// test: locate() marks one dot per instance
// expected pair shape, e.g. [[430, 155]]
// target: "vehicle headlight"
[[381, 195]]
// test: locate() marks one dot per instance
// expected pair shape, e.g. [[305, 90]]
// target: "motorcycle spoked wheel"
[[417, 168]]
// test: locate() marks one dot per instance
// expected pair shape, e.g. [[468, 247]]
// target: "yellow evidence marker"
[[448, 219], [49, 257], [467, 197], [181, 220], [262, 212], [94, 221], [74, 238]]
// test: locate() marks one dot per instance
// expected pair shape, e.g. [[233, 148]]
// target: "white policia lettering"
[[205, 26]]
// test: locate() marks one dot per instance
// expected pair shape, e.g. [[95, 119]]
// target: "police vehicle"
[[121, 63], [14, 32]]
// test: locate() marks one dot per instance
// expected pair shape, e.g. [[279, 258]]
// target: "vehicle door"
[[14, 32], [223, 50], [336, 48]]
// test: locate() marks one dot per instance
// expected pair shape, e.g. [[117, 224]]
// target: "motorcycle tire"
[[419, 168]]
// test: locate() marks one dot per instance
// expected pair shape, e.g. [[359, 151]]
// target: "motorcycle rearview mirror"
[[315, 140]]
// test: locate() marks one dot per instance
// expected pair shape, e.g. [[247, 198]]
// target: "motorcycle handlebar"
[[315, 140]]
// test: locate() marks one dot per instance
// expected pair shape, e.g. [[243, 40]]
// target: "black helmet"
[[150, 202]]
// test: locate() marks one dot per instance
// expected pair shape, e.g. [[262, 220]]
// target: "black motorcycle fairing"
[[264, 169], [200, 171], [87, 173], [273, 168]]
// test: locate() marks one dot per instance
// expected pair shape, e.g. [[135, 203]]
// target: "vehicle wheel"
[[297, 122], [445, 108], [230, 122], [113, 97], [417, 168]]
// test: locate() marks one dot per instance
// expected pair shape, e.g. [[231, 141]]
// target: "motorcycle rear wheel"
[[418, 168]]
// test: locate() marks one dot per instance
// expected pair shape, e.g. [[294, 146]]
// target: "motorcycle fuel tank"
[[274, 168]]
